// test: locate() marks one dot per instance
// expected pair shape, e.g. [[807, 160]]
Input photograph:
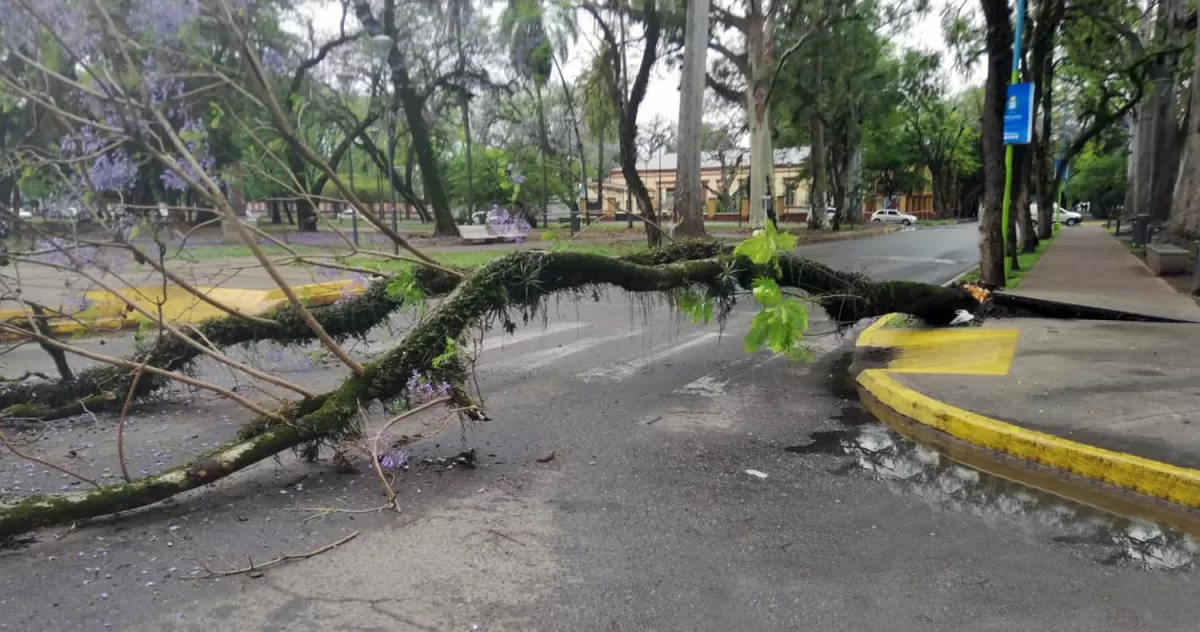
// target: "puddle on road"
[[923, 472]]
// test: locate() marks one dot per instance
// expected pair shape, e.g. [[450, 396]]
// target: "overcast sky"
[[662, 96]]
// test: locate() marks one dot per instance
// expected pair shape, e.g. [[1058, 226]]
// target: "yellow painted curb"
[[958, 351], [107, 312], [1152, 478], [867, 337]]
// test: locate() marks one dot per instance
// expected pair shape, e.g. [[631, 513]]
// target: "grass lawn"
[[936, 222], [473, 258], [207, 253], [1026, 259]]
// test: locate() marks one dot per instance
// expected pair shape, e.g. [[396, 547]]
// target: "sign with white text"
[[1018, 114]]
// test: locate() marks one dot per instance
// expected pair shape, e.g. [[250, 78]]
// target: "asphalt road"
[[612, 493], [931, 255]]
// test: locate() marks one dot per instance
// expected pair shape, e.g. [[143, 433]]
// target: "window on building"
[[789, 195]]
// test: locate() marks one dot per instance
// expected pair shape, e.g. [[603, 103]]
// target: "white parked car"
[[25, 214], [348, 214], [1065, 216], [892, 216]]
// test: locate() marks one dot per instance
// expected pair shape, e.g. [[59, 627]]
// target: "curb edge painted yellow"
[[1145, 476], [250, 302], [958, 351], [867, 337]]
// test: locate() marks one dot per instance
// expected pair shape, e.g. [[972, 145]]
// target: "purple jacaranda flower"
[[274, 62], [424, 389], [75, 301], [174, 182], [112, 170], [501, 222], [162, 20], [393, 460], [22, 23]]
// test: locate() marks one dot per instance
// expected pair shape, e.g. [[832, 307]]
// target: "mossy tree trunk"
[[511, 288]]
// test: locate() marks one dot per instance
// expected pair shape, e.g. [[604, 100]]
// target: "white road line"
[[622, 370], [542, 358], [708, 386], [533, 333]]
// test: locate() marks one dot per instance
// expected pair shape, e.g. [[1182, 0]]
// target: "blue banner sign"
[[1018, 114]]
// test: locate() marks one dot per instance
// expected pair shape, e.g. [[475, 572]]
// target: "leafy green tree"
[[936, 128], [1098, 179]]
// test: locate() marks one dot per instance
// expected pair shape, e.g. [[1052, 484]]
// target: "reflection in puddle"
[[925, 473]]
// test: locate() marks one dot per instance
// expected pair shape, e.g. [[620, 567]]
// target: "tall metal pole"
[[1014, 78], [354, 212], [347, 81], [391, 170], [383, 46]]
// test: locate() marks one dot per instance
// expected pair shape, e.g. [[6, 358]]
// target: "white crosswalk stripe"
[[539, 359], [499, 342], [623, 370]]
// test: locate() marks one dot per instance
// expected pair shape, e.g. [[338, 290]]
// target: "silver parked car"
[[892, 216]]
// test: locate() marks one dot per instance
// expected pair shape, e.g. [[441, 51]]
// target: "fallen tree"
[[848, 298], [112, 139], [506, 290]]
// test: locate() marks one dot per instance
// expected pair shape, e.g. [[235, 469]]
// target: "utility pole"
[[1013, 79]]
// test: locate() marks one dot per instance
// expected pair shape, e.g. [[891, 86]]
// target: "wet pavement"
[[907, 467], [611, 493]]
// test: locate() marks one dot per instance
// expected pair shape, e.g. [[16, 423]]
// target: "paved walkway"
[[1101, 391], [1087, 266]]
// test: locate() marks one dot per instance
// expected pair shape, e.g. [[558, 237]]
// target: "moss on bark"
[[513, 285]]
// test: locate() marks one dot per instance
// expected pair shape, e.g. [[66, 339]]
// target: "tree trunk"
[[398, 181], [413, 105], [816, 159], [999, 67], [628, 109], [466, 121], [273, 207], [689, 192], [945, 197], [838, 172], [1185, 211], [543, 143], [758, 113], [465, 97], [854, 197], [570, 99], [522, 280], [306, 215], [1022, 168], [1158, 163], [1042, 69], [600, 171]]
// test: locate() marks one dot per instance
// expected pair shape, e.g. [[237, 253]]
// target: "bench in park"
[[486, 234], [1165, 259]]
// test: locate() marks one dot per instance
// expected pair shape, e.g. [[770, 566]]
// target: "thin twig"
[[121, 362], [327, 511], [137, 377], [373, 450], [287, 557], [4, 440]]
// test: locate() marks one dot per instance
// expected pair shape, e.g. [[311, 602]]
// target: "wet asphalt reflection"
[[869, 448]]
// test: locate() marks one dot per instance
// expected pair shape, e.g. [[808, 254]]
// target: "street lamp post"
[[1014, 77], [347, 81], [383, 47]]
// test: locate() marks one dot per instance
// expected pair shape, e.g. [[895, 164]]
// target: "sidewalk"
[[1116, 402]]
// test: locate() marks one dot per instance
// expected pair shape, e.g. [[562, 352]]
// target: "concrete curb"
[[1125, 471], [848, 236], [110, 313]]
